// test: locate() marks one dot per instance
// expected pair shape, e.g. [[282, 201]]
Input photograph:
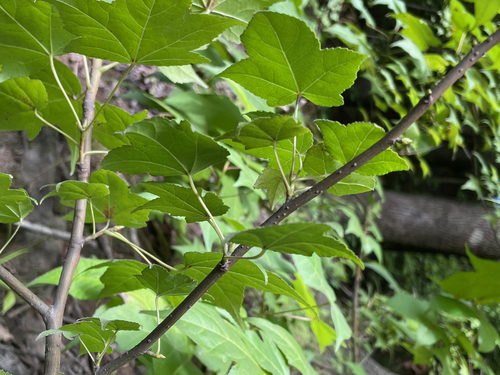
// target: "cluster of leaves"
[[219, 160]]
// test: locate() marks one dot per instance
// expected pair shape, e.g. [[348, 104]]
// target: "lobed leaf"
[[163, 283], [272, 181], [344, 143], [149, 32], [286, 62], [303, 239], [163, 148], [19, 99], [71, 191], [16, 204], [319, 162], [180, 201], [30, 34]]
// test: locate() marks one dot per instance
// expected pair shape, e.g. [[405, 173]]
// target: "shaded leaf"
[[164, 148], [182, 74], [218, 338], [30, 34], [286, 61], [344, 143], [111, 123], [180, 201], [16, 204], [19, 99], [228, 291], [151, 32], [265, 131], [479, 286], [71, 191], [320, 163], [272, 181], [286, 343], [120, 276], [163, 283], [302, 239]]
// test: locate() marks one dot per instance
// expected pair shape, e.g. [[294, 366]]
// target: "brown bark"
[[415, 222]]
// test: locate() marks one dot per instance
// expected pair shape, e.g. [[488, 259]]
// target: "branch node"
[[354, 165], [339, 171]]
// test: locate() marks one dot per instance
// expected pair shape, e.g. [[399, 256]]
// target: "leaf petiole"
[[283, 176], [55, 128], [11, 237]]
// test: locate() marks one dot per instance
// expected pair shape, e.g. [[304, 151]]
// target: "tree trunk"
[[422, 223]]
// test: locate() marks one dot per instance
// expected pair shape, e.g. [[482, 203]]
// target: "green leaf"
[[228, 291], [180, 201], [163, 283], [19, 99], [182, 74], [2, 372], [218, 338], [30, 34], [272, 181], [286, 61], [85, 284], [151, 32], [320, 163], [265, 131], [209, 114], [286, 343], [344, 143], [164, 148], [479, 286], [57, 110], [16, 204], [485, 11], [418, 31], [266, 352], [96, 334], [120, 205], [284, 149], [71, 191], [303, 239], [113, 121], [324, 333], [120, 276], [242, 10]]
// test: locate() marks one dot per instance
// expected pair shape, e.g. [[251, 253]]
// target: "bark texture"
[[414, 222]]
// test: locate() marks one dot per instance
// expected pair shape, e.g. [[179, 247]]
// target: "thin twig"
[[54, 320], [289, 207]]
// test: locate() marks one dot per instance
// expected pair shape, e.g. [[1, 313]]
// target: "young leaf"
[[180, 201], [302, 239], [71, 191], [320, 163], [344, 143], [19, 99], [31, 33], [163, 148], [111, 123], [119, 206], [120, 276], [163, 283], [264, 131], [271, 180], [96, 334], [286, 61], [157, 32], [15, 205]]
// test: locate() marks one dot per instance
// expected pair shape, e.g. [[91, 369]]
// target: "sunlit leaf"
[[286, 61]]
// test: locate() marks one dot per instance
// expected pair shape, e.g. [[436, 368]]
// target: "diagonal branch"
[[291, 206]]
